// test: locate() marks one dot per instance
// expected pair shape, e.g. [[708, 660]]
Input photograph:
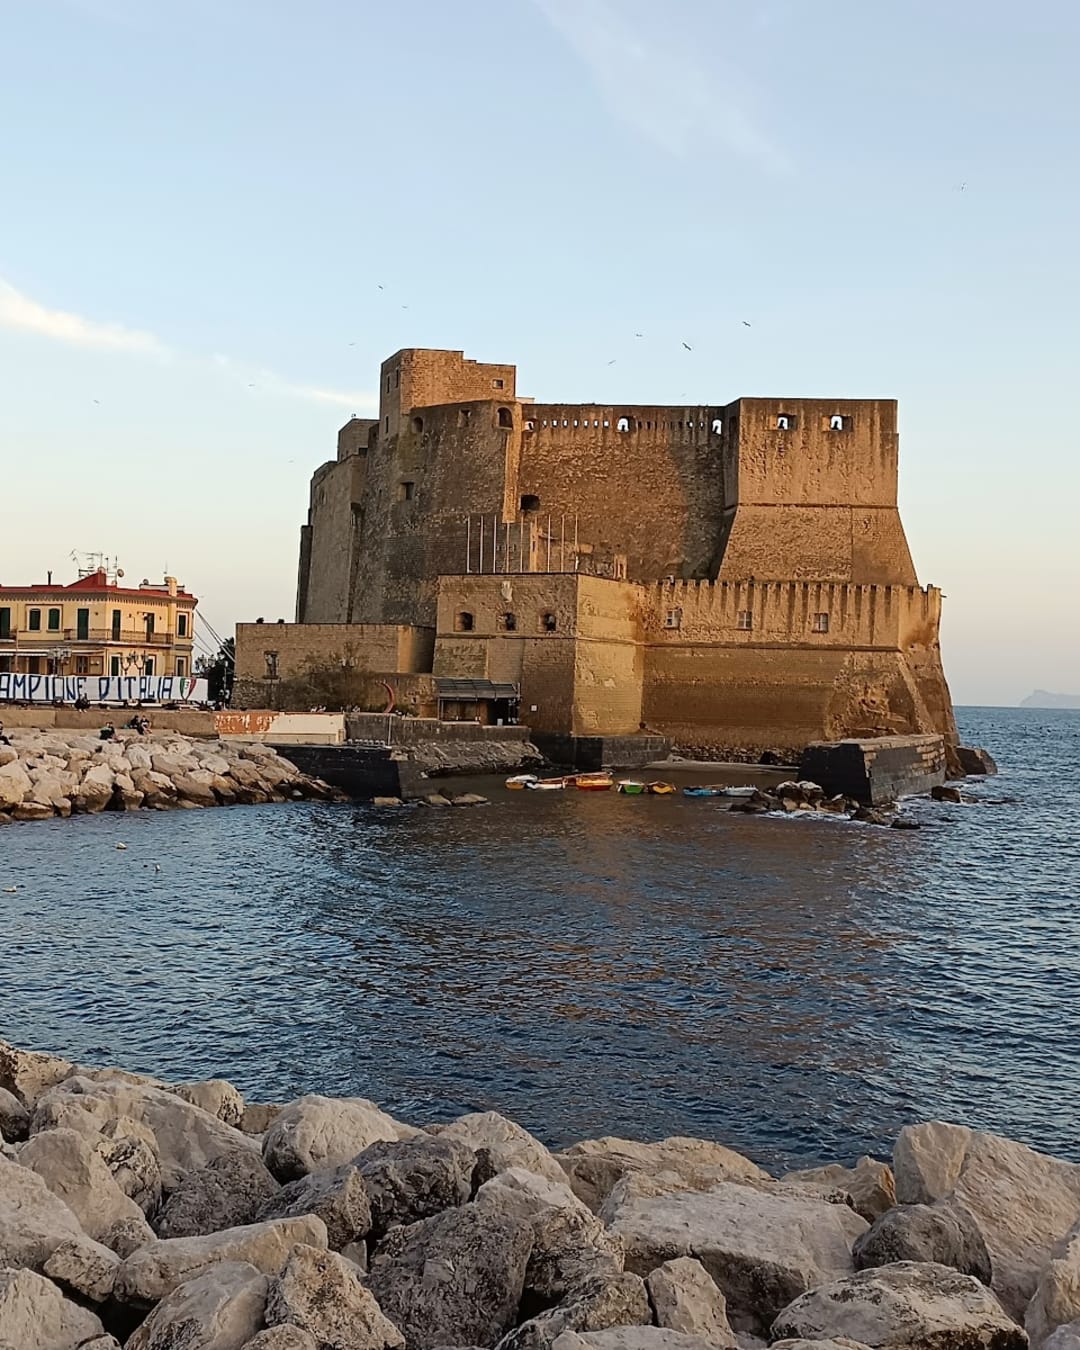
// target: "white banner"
[[136, 689]]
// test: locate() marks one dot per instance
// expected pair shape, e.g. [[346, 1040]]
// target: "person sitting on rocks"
[[107, 732], [82, 703], [3, 739]]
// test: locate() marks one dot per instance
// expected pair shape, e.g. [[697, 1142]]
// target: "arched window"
[[509, 623], [463, 417], [530, 425], [717, 426], [506, 417], [839, 423], [529, 502], [782, 423], [623, 424], [548, 623], [418, 424], [464, 623]]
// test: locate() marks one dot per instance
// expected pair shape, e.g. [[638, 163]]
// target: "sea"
[[796, 987]]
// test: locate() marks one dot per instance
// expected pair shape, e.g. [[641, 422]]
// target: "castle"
[[731, 577]]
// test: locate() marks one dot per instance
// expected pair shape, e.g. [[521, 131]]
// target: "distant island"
[[1042, 699]]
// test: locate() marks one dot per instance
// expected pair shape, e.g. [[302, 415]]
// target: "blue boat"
[[703, 792]]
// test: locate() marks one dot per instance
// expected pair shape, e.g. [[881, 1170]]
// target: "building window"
[[464, 622], [821, 623], [548, 623], [744, 619], [117, 619], [786, 422], [148, 666], [181, 665], [529, 502], [506, 417], [623, 424], [386, 424], [838, 423], [271, 659], [717, 427], [114, 667], [150, 622], [82, 665], [397, 378], [464, 417], [673, 618], [181, 625], [54, 621], [33, 665], [418, 424], [509, 623], [406, 492], [82, 625], [496, 384], [5, 622], [33, 620]]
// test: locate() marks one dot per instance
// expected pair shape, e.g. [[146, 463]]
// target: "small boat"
[[521, 780], [547, 785], [738, 791], [631, 787], [594, 782], [703, 791], [662, 789]]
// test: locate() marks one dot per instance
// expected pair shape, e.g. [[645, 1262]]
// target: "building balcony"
[[66, 637]]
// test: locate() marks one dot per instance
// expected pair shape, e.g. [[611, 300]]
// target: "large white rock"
[[322, 1293], [997, 1180], [34, 1315], [15, 784], [33, 1221], [870, 1184], [1056, 1301], [85, 1267], [221, 1309], [283, 1337], [595, 1165], [14, 1117], [631, 1338], [75, 1171], [506, 1143], [686, 1298], [762, 1248], [1064, 1338], [315, 1132], [156, 1269], [913, 1305]]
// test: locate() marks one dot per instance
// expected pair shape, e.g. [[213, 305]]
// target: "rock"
[[283, 1337], [686, 1298], [15, 784], [386, 801], [33, 811], [14, 1118], [337, 1195], [228, 1192], [871, 815], [468, 799], [506, 1143], [870, 1184], [942, 792], [74, 1170], [455, 1279], [415, 1178], [190, 789], [632, 1338], [130, 1153], [762, 1249], [910, 1304], [1056, 1300], [1064, 1338], [85, 1267], [95, 790], [187, 1137], [974, 762], [323, 1294], [27, 1074], [947, 1237], [215, 1096], [904, 823], [316, 1132], [220, 1309], [34, 1315], [994, 1179], [833, 1343], [437, 799], [595, 1165], [614, 1300], [157, 1268], [259, 1116]]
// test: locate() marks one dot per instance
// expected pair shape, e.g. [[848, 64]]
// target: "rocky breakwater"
[[51, 773], [177, 1216]]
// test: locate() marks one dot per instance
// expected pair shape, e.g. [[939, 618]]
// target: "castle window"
[[388, 384], [717, 426], [744, 619], [786, 422], [530, 425], [673, 618], [839, 423], [509, 623], [496, 384], [463, 417], [529, 502], [548, 623], [821, 623], [464, 622], [618, 566], [406, 492], [506, 417], [271, 659], [387, 421], [623, 424], [418, 424], [397, 378]]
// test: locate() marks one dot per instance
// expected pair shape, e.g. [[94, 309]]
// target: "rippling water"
[[586, 963]]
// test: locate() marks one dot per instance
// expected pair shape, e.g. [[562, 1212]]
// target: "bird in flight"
[[746, 325], [611, 363], [688, 347], [639, 334], [96, 400]]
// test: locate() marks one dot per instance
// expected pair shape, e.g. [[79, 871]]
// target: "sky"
[[218, 216]]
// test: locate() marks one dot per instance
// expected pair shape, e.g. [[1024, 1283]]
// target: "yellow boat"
[[661, 789], [521, 781], [594, 782]]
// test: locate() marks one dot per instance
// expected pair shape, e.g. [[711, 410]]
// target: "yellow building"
[[95, 626]]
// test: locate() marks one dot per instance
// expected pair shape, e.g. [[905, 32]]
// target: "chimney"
[[49, 575], [170, 585]]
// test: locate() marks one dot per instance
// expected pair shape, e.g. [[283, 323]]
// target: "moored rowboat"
[[520, 781], [594, 782], [662, 789], [631, 787]]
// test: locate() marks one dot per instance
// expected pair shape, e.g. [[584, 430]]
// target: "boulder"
[[1064, 1338], [914, 1305], [130, 1153], [944, 792], [14, 1118], [632, 1338], [336, 1194], [157, 1268], [283, 1337], [947, 1237], [454, 1279], [685, 1298], [613, 1300], [85, 1267], [413, 1179], [74, 1170], [259, 1116], [228, 1192], [595, 1165], [34, 1315], [973, 762], [215, 1096], [95, 789], [994, 1179], [323, 1294], [220, 1309], [33, 810], [870, 1184], [315, 1132], [190, 789], [506, 1143], [127, 1236], [1056, 1301], [761, 1248], [27, 1074], [15, 784]]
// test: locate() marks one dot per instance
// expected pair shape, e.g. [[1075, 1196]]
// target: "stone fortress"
[[731, 577]]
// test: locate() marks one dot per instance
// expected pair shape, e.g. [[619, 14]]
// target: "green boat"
[[631, 787]]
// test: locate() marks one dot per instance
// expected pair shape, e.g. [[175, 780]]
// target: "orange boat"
[[594, 782], [661, 789]]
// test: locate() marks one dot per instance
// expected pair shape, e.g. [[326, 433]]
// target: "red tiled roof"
[[97, 583]]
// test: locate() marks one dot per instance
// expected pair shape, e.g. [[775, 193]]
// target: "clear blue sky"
[[201, 198]]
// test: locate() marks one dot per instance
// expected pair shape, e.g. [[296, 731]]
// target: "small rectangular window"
[[117, 620], [821, 623], [148, 667], [181, 665], [82, 625], [745, 619], [114, 667], [181, 625], [150, 624], [497, 384], [673, 618], [397, 378], [406, 492], [5, 622], [33, 620], [82, 665]]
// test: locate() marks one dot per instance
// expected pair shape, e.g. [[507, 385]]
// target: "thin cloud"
[[20, 312], [257, 380], [657, 84]]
